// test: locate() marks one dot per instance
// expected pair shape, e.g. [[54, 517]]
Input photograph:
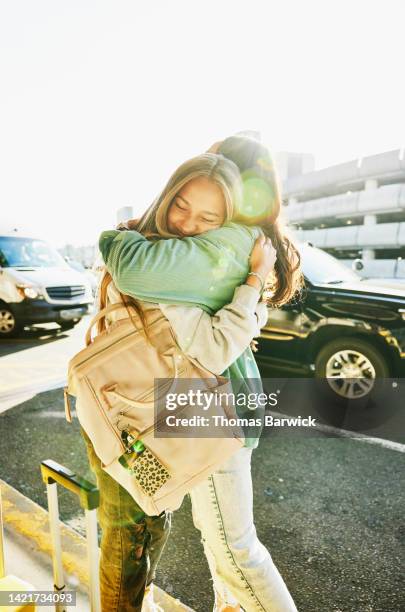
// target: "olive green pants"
[[131, 542]]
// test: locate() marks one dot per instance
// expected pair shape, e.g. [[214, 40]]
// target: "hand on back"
[[130, 224], [263, 257]]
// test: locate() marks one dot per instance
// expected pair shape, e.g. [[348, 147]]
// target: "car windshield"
[[320, 267], [76, 265], [18, 252]]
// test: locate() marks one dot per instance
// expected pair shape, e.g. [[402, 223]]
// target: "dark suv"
[[343, 328]]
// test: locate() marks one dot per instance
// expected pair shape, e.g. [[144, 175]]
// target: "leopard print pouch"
[[149, 472]]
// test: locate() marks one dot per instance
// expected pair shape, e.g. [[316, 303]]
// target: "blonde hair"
[[153, 224]]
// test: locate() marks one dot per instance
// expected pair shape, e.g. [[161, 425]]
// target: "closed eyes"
[[185, 209]]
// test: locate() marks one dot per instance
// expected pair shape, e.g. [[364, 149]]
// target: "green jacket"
[[202, 271]]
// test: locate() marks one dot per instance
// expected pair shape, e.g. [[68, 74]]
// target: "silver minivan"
[[38, 286]]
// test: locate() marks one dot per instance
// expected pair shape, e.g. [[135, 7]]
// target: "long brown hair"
[[153, 223], [262, 207], [255, 200]]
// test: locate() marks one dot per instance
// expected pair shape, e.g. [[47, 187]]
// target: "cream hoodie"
[[214, 341]]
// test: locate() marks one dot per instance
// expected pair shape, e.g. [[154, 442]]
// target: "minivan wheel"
[[350, 375], [9, 325]]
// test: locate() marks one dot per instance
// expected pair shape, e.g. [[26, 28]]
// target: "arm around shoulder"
[[200, 270]]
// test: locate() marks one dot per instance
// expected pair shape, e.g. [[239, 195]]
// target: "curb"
[[28, 520]]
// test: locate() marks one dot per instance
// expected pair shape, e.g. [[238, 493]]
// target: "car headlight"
[[402, 313], [29, 291]]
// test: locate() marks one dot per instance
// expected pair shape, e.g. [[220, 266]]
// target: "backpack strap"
[[100, 315]]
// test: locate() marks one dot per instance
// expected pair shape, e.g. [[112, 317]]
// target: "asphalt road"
[[36, 360], [330, 510]]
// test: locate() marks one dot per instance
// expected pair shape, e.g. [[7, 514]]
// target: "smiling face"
[[198, 207]]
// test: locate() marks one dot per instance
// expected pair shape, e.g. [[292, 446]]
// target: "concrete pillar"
[[368, 254], [371, 184], [370, 219]]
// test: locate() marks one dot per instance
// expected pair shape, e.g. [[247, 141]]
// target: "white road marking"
[[55, 414], [344, 433]]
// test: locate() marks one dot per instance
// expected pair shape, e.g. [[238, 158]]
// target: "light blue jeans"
[[241, 567]]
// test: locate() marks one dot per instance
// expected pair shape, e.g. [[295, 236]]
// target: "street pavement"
[[329, 509], [36, 361]]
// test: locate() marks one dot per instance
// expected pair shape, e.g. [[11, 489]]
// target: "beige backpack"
[[113, 382]]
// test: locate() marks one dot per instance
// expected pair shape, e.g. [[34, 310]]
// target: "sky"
[[101, 100]]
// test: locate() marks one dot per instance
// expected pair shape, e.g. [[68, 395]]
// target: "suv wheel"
[[9, 326], [351, 375], [351, 367]]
